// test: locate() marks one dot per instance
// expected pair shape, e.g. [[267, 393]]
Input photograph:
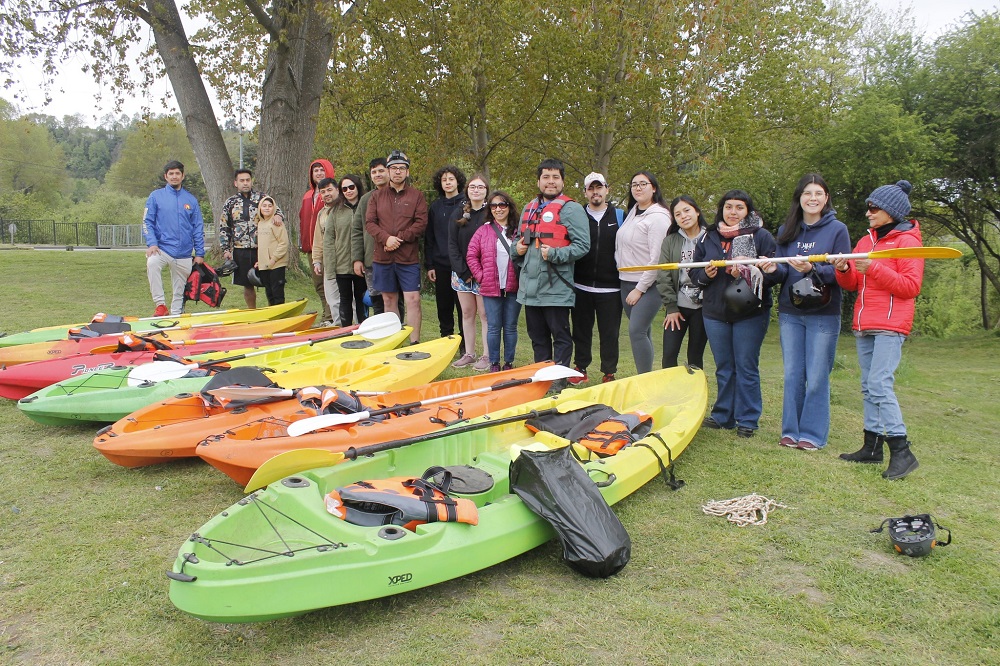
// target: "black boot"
[[901, 459], [870, 452]]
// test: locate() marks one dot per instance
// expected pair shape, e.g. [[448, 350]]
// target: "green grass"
[[84, 544]]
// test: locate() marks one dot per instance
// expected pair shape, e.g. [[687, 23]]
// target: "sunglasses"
[[499, 204], [347, 188], [873, 208]]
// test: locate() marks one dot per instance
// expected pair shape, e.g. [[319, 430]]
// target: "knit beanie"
[[893, 199]]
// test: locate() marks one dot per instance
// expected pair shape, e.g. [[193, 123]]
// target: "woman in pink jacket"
[[489, 259], [883, 317]]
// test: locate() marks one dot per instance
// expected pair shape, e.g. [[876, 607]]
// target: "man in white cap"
[[597, 286]]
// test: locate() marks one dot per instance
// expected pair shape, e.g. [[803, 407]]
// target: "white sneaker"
[[482, 365], [467, 359]]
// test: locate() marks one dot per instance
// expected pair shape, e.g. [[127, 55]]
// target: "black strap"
[[666, 471]]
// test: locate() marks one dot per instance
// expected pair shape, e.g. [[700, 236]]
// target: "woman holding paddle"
[[883, 317], [808, 312], [680, 296], [737, 309]]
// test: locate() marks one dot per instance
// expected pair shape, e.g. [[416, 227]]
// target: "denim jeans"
[[736, 348], [501, 317], [808, 349], [879, 357]]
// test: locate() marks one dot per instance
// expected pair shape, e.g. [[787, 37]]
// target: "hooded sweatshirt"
[[828, 236], [312, 204]]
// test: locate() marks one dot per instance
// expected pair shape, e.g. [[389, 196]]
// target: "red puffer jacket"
[[887, 292], [482, 260]]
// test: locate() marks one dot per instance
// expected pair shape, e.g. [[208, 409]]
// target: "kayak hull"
[[42, 351], [278, 553], [106, 396], [240, 450], [53, 333], [23, 379], [173, 428]]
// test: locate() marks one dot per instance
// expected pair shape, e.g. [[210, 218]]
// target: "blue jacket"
[[828, 236], [172, 221]]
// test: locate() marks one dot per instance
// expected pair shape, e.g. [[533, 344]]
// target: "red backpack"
[[203, 285]]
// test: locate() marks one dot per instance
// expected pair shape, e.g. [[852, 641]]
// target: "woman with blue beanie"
[[883, 317], [808, 312]]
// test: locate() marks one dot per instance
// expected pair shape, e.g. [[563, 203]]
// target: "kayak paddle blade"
[[553, 372], [379, 326], [290, 462], [306, 426], [916, 253], [158, 371], [251, 392]]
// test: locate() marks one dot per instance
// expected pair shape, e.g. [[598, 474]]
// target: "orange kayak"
[[240, 450], [172, 428], [42, 351]]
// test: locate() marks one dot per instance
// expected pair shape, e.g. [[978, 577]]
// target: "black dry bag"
[[555, 486]]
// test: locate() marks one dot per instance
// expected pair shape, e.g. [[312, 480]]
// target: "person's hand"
[[227, 255], [545, 252], [733, 270], [633, 297], [359, 268], [767, 266], [862, 265], [317, 268], [801, 265], [521, 248], [841, 264], [199, 260], [711, 272], [392, 243], [277, 220], [151, 250], [672, 322], [432, 274]]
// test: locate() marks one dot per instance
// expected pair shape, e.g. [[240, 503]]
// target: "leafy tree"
[[146, 150], [30, 161]]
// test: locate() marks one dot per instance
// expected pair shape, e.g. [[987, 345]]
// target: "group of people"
[[570, 266]]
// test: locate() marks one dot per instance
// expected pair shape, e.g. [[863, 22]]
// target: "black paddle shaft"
[[353, 453]]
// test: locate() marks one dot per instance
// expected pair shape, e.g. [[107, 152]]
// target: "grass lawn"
[[84, 544]]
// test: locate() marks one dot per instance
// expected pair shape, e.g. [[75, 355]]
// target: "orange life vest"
[[541, 223], [599, 428], [405, 501]]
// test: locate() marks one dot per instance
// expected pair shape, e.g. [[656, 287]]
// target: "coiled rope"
[[744, 511]]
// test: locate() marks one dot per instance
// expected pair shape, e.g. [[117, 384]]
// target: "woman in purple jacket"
[[489, 259]]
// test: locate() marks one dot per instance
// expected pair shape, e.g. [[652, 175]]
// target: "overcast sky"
[[74, 92]]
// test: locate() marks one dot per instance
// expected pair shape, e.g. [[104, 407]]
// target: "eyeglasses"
[[348, 188], [641, 185], [499, 204], [396, 167], [873, 208], [477, 187]]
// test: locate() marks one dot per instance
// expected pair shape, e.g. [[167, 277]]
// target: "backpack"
[[203, 285]]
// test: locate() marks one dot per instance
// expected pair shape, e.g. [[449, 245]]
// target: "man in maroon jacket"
[[396, 219]]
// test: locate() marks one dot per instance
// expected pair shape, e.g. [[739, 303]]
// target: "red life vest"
[[541, 223], [203, 284], [399, 500]]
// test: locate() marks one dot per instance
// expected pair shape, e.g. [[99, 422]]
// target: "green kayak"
[[279, 552], [109, 395]]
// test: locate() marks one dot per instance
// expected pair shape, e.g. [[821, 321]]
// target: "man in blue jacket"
[[172, 227]]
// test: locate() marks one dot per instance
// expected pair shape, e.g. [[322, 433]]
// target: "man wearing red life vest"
[[553, 234]]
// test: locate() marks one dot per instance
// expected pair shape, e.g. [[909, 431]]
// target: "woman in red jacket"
[[489, 259], [883, 317]]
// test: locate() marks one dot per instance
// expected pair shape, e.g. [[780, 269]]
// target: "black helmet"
[[254, 278], [228, 267], [913, 535], [740, 299], [810, 293]]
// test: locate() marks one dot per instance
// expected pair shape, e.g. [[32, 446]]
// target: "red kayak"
[[19, 381]]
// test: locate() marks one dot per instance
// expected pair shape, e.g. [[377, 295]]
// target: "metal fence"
[[87, 234]]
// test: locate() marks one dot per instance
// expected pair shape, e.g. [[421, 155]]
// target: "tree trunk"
[[293, 83], [196, 109]]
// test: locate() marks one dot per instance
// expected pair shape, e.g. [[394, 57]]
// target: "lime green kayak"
[[279, 552], [109, 395]]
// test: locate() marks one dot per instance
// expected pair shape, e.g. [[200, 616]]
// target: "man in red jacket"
[[396, 218], [312, 204], [883, 317]]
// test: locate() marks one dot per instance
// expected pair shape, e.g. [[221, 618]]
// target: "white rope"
[[744, 511]]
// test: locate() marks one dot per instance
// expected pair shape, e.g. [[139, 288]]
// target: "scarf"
[[742, 245]]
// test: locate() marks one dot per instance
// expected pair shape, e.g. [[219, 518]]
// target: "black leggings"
[[694, 324], [352, 294]]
